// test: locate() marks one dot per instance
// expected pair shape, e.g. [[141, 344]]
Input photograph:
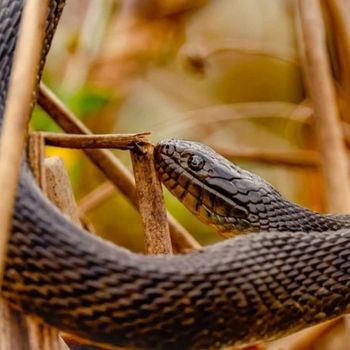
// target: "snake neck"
[[281, 215]]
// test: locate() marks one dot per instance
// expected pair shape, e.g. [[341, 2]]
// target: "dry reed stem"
[[18, 331], [238, 111], [36, 155], [17, 112], [339, 12], [151, 202], [111, 167], [329, 131], [59, 189], [78, 141], [331, 140], [198, 58], [303, 159]]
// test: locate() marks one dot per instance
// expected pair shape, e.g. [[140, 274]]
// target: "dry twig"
[[112, 168], [18, 108], [59, 190], [17, 332], [331, 139], [120, 141], [330, 134], [304, 159], [339, 11], [151, 202], [36, 150]]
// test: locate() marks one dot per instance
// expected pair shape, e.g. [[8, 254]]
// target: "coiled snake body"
[[249, 288]]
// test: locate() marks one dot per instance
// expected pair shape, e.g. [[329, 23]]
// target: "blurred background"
[[226, 73], [223, 72]]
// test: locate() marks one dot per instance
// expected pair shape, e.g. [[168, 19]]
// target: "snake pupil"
[[196, 162]]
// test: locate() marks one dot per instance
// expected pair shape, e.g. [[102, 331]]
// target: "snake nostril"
[[169, 149]]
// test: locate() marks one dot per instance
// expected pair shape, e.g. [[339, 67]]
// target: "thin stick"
[[327, 123], [111, 167], [331, 140], [18, 109], [151, 202], [36, 148], [303, 159], [120, 141], [245, 47], [59, 189], [339, 11]]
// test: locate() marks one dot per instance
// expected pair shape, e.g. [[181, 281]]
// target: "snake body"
[[258, 286]]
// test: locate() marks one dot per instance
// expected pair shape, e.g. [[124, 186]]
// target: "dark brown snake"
[[260, 286]]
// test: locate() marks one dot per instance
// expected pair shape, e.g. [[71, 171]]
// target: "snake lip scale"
[[258, 286]]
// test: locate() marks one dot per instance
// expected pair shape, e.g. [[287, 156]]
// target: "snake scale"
[[258, 286]]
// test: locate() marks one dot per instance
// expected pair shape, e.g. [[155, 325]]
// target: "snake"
[[290, 268]]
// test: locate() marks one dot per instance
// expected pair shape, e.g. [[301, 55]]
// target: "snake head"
[[217, 191]]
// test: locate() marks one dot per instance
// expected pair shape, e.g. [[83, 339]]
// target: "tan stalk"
[[111, 167], [120, 141], [151, 202], [17, 112], [327, 123]]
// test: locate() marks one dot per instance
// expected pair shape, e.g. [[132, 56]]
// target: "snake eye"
[[196, 162]]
